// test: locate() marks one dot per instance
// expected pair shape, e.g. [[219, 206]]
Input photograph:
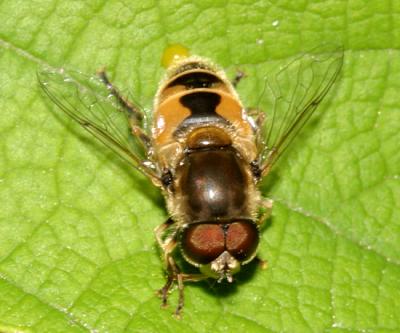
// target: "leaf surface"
[[77, 251]]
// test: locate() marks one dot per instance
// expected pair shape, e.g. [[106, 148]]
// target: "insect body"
[[203, 149], [206, 149]]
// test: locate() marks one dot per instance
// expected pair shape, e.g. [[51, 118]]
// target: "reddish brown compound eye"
[[242, 240], [202, 243]]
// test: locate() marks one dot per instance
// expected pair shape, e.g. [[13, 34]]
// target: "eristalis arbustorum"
[[202, 148]]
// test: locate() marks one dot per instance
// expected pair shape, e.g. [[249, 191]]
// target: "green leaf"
[[77, 251]]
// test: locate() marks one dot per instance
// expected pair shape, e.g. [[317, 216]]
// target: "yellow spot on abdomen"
[[173, 53]]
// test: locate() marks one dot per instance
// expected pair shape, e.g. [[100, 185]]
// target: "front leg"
[[167, 245], [174, 275], [266, 206]]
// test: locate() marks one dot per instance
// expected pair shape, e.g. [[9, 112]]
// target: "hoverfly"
[[202, 148]]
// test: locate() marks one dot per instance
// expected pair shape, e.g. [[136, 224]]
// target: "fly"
[[202, 148]]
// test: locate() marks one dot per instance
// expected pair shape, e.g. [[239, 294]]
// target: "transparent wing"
[[292, 94], [87, 101]]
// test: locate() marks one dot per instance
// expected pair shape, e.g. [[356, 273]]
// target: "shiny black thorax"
[[213, 184]]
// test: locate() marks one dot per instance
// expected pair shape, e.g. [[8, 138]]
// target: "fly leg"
[[238, 77], [266, 206], [134, 114], [257, 115], [167, 245], [263, 264], [127, 105], [181, 278], [257, 120]]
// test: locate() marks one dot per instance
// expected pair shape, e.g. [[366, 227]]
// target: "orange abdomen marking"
[[197, 107]]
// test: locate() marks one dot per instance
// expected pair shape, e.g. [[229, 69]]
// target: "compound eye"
[[202, 243], [242, 240]]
